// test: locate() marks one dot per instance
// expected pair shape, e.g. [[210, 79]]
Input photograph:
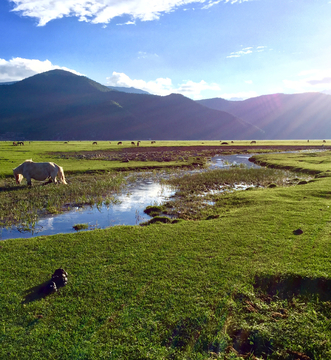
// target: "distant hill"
[[281, 116], [130, 90], [8, 83], [59, 105]]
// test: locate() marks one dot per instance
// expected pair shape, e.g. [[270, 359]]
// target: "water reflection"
[[128, 209], [224, 161]]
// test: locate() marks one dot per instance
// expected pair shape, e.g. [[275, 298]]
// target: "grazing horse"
[[38, 171], [253, 142], [94, 143], [132, 143], [119, 143]]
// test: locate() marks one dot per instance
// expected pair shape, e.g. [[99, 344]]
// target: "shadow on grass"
[[36, 293], [41, 291], [287, 286], [22, 187]]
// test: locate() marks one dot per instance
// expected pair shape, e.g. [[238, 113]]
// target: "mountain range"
[[282, 116], [59, 105]]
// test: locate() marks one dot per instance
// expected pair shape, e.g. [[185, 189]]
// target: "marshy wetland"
[[231, 278], [97, 201]]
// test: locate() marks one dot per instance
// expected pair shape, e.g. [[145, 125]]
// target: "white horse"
[[38, 171]]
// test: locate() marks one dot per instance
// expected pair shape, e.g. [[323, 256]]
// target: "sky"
[[233, 49]]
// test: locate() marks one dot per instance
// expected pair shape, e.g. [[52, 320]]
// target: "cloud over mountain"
[[19, 68], [162, 86]]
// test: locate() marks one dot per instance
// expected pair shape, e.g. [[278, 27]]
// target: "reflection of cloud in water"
[[47, 224], [141, 195], [129, 211], [225, 161]]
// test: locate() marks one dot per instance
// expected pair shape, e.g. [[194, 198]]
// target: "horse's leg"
[[53, 177], [28, 179]]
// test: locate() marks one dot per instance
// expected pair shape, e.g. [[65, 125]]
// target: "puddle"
[[225, 161], [129, 210]]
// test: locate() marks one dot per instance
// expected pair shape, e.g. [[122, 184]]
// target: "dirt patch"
[[171, 153], [276, 320], [290, 285]]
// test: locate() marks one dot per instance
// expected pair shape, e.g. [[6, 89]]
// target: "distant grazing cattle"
[[109, 142], [66, 142], [132, 143], [138, 143], [119, 143], [224, 143], [324, 141], [94, 143], [153, 142], [307, 140], [253, 142], [231, 142]]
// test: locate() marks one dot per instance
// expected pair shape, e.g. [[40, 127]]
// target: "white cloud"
[[193, 89], [145, 55], [19, 68], [210, 4], [127, 23], [162, 86], [310, 80], [102, 11], [236, 1], [246, 51]]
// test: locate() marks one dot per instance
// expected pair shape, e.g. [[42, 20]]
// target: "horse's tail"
[[60, 175]]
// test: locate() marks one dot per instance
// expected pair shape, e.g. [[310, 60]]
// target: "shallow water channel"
[[128, 209]]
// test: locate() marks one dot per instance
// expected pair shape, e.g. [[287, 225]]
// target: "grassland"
[[242, 284], [11, 156]]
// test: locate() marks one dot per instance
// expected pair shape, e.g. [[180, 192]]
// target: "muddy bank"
[[174, 153]]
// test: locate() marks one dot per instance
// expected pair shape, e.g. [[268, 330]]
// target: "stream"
[[128, 209]]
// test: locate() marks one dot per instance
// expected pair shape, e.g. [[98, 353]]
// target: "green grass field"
[[242, 284], [39, 151]]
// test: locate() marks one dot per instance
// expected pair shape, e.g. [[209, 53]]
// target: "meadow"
[[233, 279]]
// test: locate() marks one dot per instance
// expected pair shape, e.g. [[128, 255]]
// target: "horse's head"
[[18, 177]]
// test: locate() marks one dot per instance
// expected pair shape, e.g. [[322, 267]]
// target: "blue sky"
[[201, 49]]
